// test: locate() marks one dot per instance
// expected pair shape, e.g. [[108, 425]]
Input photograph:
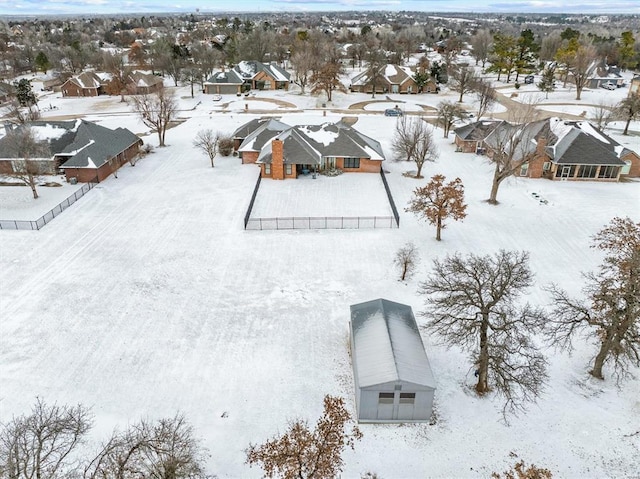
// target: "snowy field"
[[147, 297], [344, 195]]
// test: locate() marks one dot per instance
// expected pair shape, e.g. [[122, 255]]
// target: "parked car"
[[217, 97], [393, 112], [609, 86], [529, 79]]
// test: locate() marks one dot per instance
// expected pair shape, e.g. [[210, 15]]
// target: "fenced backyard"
[[49, 215], [275, 205]]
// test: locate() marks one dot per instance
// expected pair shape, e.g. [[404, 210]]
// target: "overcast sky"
[[42, 7]]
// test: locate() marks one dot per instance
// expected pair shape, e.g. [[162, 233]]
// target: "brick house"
[[263, 76], [224, 82], [391, 79], [250, 138], [568, 150], [81, 149], [470, 138], [85, 84], [317, 148], [139, 83]]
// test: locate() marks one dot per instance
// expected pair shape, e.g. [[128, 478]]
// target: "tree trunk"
[[626, 127], [578, 92], [483, 361], [404, 270], [460, 99], [438, 228], [600, 359], [32, 184], [419, 173], [493, 197]]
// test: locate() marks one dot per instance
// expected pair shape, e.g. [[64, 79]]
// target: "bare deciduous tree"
[[464, 80], [327, 79], [207, 141], [39, 445], [303, 61], [581, 66], [628, 110], [481, 46], [602, 113], [612, 311], [302, 453], [31, 156], [437, 202], [471, 303], [413, 139], [486, 96], [407, 260], [165, 449], [156, 110], [448, 113], [512, 146]]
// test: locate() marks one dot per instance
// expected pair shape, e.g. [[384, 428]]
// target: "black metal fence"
[[48, 216], [253, 199], [390, 197], [320, 222]]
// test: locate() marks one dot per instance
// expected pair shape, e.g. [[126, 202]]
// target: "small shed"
[[392, 375]]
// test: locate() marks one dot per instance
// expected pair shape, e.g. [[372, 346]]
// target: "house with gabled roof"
[[316, 148], [224, 82], [82, 150], [567, 150], [390, 79], [85, 84], [139, 83], [251, 137], [470, 138], [263, 76]]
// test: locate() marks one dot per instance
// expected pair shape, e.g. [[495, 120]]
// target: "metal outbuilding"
[[392, 374]]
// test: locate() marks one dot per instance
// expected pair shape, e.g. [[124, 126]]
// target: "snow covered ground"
[[147, 297]]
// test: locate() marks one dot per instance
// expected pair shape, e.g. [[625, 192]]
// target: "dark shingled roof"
[[229, 77], [477, 131], [581, 143], [82, 140], [306, 144]]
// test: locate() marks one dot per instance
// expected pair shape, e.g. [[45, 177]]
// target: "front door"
[[395, 88], [566, 172]]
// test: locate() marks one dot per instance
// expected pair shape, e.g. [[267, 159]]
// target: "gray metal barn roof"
[[387, 345]]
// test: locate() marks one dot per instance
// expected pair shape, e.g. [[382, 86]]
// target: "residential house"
[[603, 73], [252, 136], [139, 83], [55, 81], [85, 84], [470, 138], [224, 82], [84, 151], [393, 379], [316, 148], [566, 150], [261, 76], [390, 79]]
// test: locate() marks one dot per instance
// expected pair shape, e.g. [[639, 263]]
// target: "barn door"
[[385, 405], [406, 406]]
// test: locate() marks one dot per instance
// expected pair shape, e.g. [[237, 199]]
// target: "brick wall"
[[249, 156], [277, 160], [634, 172]]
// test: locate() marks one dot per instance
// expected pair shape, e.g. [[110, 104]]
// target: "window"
[[546, 166], [407, 398], [267, 85], [385, 398], [524, 169], [289, 170], [267, 169], [352, 162], [627, 168], [587, 171], [608, 172], [566, 171]]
